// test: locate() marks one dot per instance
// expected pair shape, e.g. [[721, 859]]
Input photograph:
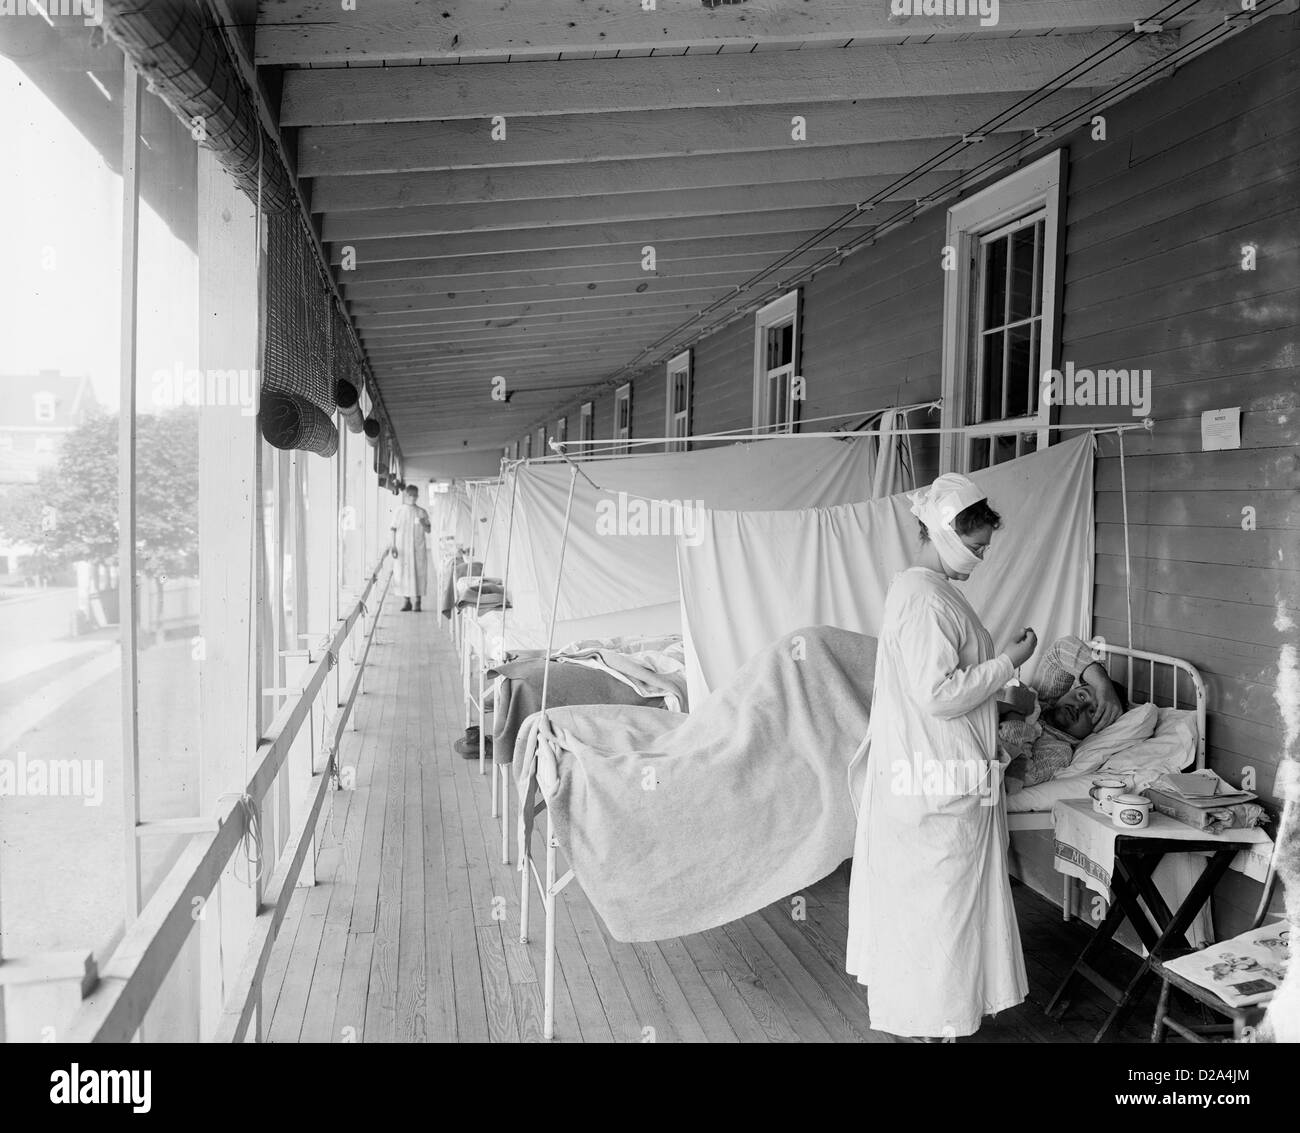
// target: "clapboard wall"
[[1191, 169], [1195, 169]]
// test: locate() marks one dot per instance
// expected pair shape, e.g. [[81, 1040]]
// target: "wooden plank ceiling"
[[522, 256]]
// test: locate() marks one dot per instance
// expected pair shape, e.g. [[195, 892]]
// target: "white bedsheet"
[[750, 576], [1172, 747]]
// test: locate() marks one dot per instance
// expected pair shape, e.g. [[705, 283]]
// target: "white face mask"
[[953, 553], [936, 507]]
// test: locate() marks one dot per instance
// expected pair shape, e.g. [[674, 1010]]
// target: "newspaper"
[[1242, 971]]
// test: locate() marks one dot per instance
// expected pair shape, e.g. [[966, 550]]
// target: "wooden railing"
[[118, 996]]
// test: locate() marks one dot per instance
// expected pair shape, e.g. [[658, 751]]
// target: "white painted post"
[[229, 485]]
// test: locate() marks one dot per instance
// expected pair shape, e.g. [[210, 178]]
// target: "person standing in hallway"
[[411, 577]]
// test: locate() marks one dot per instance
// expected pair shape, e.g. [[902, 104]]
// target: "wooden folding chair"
[[1240, 1018]]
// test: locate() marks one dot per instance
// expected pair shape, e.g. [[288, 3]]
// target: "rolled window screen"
[[346, 373], [297, 380], [180, 47]]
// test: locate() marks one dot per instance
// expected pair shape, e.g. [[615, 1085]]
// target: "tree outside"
[[70, 514]]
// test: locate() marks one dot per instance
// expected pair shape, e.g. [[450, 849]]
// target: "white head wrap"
[[937, 506]]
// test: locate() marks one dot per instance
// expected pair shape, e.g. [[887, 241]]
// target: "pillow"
[[1135, 725], [1171, 748]]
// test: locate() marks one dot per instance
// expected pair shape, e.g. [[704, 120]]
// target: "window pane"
[[1040, 237], [978, 453], [1020, 369], [61, 856], [1003, 449], [1035, 377], [995, 282], [1023, 258], [990, 393]]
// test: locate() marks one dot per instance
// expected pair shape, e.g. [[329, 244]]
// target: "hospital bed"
[[1147, 676], [487, 638], [1170, 682]]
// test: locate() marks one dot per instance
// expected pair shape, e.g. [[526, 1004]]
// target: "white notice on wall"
[[1220, 429]]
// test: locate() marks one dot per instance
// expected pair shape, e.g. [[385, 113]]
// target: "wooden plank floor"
[[411, 933]]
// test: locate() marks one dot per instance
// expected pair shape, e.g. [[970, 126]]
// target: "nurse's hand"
[[1022, 648]]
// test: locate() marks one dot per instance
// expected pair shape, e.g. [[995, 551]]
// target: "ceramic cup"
[[1104, 792], [1131, 812]]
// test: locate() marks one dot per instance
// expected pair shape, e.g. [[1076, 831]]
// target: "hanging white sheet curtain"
[[893, 464], [620, 569], [458, 519], [752, 576]]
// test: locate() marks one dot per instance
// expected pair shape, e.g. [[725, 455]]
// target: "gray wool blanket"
[[675, 824], [519, 694]]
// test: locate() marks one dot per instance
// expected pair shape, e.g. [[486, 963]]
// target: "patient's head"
[[1072, 714], [1069, 716]]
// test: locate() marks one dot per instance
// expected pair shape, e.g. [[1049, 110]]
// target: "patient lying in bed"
[[1075, 697]]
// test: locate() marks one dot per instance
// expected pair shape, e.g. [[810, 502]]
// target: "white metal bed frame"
[[470, 640], [549, 885]]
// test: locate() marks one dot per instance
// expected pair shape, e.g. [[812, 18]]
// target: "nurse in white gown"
[[932, 928], [410, 549]]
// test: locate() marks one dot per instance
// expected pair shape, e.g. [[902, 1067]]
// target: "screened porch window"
[[587, 422], [562, 430]]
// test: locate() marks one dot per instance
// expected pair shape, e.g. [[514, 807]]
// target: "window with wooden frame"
[[677, 422], [561, 430], [528, 446], [622, 418], [587, 421], [1001, 317], [542, 450], [776, 360]]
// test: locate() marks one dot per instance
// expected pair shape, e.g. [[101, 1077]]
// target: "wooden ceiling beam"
[[736, 267], [402, 147], [672, 258], [431, 310], [524, 329], [430, 356], [381, 224], [445, 320], [318, 31], [436, 328], [482, 302], [794, 224], [710, 171], [618, 346], [536, 331], [787, 79]]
